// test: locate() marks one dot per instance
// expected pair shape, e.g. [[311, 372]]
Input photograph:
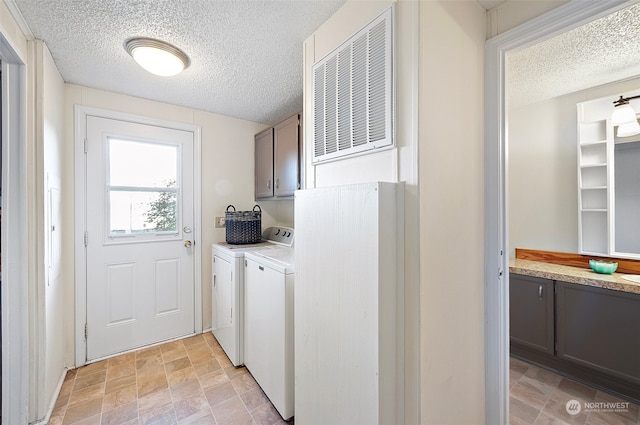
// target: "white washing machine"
[[268, 349], [227, 289]]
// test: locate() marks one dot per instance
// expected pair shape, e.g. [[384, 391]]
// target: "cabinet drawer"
[[531, 312]]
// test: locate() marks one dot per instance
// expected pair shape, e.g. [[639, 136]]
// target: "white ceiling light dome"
[[156, 56]]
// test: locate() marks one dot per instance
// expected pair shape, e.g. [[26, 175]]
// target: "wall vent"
[[353, 93]]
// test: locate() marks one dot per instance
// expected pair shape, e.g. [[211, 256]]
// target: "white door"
[[139, 218]]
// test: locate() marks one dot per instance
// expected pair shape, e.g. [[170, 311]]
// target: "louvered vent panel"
[[318, 109], [344, 98], [376, 83], [331, 106], [359, 84], [353, 93]]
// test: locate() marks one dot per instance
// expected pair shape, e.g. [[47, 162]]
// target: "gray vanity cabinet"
[[599, 329], [531, 312]]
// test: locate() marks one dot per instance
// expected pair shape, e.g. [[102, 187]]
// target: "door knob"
[[187, 244]]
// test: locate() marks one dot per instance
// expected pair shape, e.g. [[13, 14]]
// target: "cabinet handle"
[[540, 292], [214, 280], [277, 183], [268, 184]]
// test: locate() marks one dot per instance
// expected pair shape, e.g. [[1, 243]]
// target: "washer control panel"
[[279, 235]]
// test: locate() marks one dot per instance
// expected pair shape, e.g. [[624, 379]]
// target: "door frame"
[[81, 114], [561, 19], [15, 239]]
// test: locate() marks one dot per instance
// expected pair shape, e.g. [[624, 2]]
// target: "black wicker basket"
[[243, 227]]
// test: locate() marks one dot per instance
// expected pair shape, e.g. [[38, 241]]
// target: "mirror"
[[627, 196], [608, 184]]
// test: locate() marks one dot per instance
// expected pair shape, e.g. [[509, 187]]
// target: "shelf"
[[593, 165], [594, 188], [591, 132], [593, 154], [594, 231], [593, 176], [594, 210], [594, 143]]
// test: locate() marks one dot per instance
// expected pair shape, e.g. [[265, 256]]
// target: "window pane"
[[142, 212], [139, 164]]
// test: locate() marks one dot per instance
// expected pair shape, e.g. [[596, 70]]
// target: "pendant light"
[[624, 117], [156, 56]]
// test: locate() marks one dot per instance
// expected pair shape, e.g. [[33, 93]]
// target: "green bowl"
[[604, 267]]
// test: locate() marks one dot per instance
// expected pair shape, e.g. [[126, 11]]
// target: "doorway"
[[14, 281], [140, 233], [561, 19]]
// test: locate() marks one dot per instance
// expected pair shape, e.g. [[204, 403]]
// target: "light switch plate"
[[220, 222]]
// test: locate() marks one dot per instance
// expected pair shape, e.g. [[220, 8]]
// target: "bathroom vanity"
[[577, 322]]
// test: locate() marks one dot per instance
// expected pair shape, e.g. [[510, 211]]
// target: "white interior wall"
[[512, 13], [392, 165], [451, 161], [542, 170], [55, 296], [227, 168]]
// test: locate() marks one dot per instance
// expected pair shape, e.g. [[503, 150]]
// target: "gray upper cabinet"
[[286, 163], [264, 164], [531, 312], [277, 160]]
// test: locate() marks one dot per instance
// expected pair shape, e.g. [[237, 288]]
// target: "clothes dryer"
[[227, 289]]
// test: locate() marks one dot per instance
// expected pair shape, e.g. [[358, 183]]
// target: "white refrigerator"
[[348, 298]]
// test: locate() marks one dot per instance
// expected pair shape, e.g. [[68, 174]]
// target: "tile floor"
[[190, 381], [540, 397]]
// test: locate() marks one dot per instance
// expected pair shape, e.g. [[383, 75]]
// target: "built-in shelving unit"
[[594, 144]]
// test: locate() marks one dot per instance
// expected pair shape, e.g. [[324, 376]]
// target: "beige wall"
[[227, 167], [12, 32], [512, 13], [392, 165], [543, 194], [451, 160], [53, 283]]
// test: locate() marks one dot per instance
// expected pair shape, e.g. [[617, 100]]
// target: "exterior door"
[[139, 220]]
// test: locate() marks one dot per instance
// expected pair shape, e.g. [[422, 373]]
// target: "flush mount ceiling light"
[[156, 56], [624, 117]]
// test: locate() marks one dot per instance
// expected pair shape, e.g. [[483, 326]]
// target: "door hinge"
[[86, 238], [86, 143], [86, 333]]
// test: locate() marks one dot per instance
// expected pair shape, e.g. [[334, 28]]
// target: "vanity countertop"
[[570, 274]]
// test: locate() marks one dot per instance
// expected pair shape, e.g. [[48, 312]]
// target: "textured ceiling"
[[597, 53], [246, 55], [490, 4]]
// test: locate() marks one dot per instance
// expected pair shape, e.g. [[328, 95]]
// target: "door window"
[[142, 188]]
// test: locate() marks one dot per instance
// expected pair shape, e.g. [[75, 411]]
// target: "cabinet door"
[[264, 164], [531, 312], [286, 156], [223, 294], [599, 328]]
